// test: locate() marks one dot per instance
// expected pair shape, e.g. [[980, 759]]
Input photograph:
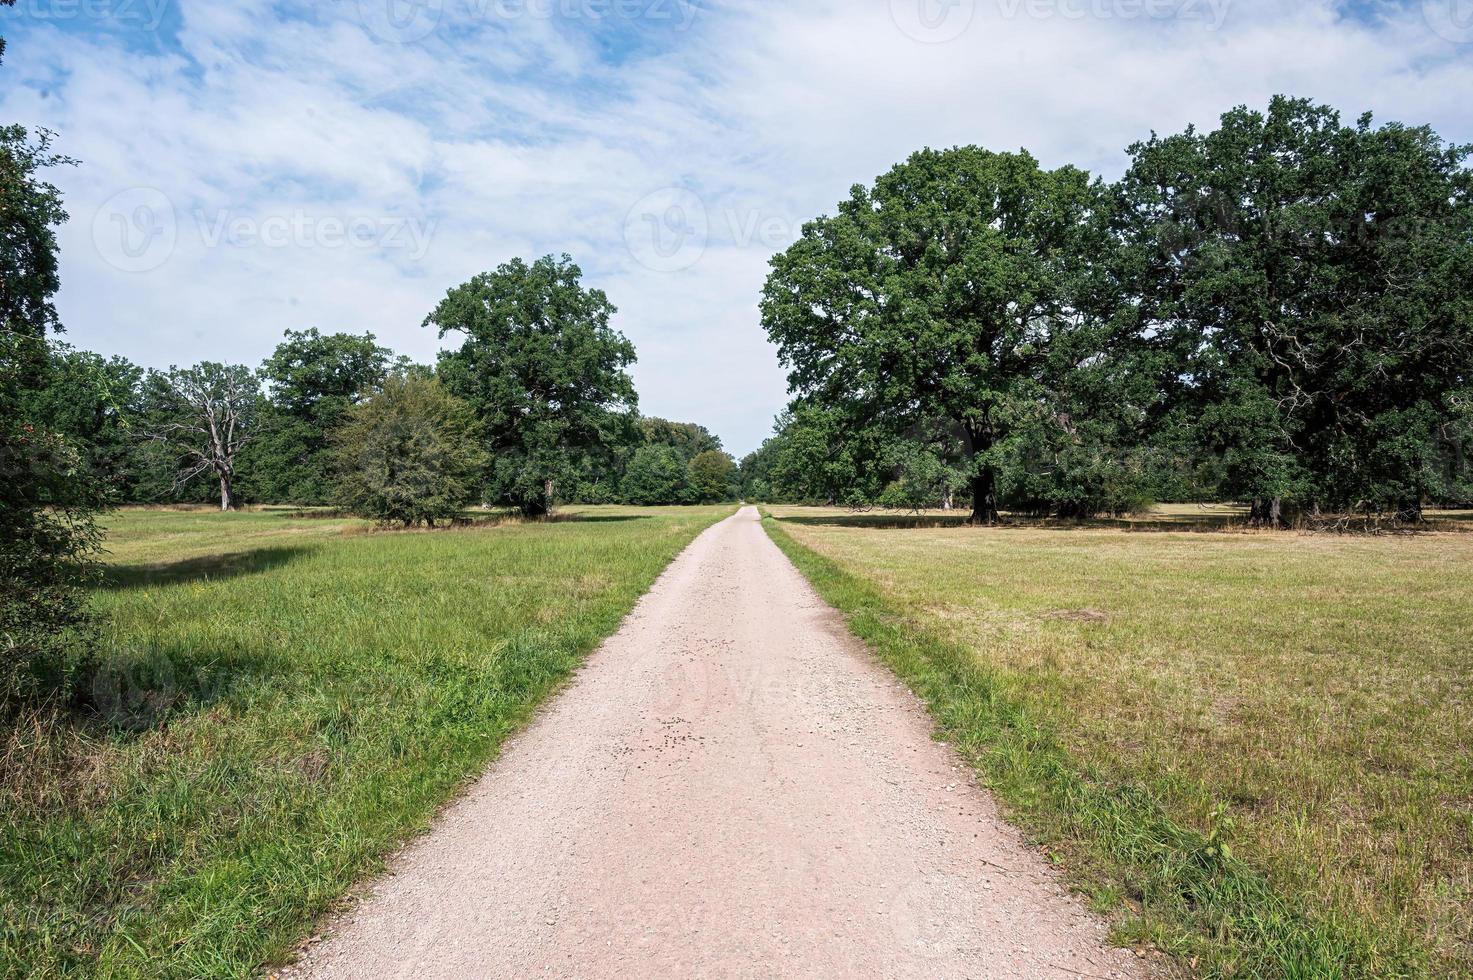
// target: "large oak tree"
[[936, 294], [543, 370], [1315, 281]]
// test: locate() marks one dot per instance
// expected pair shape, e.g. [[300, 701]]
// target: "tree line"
[[1277, 311], [534, 407]]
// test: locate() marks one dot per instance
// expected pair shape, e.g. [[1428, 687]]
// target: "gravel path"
[[730, 788]]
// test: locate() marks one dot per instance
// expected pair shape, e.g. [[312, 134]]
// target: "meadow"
[[1254, 748], [281, 699]]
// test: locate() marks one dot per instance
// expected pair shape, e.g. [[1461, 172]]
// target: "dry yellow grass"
[[1315, 685]]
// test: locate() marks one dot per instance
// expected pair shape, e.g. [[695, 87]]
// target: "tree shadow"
[[203, 568], [1458, 519], [912, 522], [595, 518], [138, 690]]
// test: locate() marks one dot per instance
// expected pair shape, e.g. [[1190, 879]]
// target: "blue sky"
[[249, 167]]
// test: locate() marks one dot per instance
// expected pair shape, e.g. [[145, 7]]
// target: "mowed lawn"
[[1303, 699], [282, 700]]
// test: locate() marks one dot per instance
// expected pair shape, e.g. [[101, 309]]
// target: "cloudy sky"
[[249, 167]]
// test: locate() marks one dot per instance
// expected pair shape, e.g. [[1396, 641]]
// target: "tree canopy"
[[411, 453], [543, 370], [312, 381], [713, 476], [936, 295], [48, 495], [203, 417], [1278, 311], [657, 476], [686, 438], [1313, 280]]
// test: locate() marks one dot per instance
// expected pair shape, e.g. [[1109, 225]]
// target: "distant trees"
[[543, 370], [1278, 311], [713, 476], [688, 439], [312, 381], [203, 416], [148, 436], [94, 403], [409, 454], [657, 476]]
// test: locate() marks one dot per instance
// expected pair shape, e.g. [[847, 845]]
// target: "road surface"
[[731, 787]]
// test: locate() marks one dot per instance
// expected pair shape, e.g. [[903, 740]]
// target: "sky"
[[248, 167]]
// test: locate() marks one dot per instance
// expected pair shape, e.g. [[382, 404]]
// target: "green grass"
[[1256, 748], [281, 702]]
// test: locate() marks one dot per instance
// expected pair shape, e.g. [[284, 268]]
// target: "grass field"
[[282, 700], [1256, 747]]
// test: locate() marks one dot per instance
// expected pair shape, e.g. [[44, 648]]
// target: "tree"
[[4, 3], [204, 416], [713, 476], [94, 404], [1313, 281], [543, 370], [48, 538], [657, 477], [313, 381], [686, 438], [819, 457], [754, 474], [408, 454], [936, 295]]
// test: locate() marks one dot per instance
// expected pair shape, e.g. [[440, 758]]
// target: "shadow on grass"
[[912, 522], [204, 568], [595, 518]]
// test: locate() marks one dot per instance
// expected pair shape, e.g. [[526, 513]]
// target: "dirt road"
[[730, 788]]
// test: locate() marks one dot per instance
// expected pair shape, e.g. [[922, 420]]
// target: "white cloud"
[[502, 134]]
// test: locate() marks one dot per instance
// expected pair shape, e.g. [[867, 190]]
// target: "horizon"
[[269, 167]]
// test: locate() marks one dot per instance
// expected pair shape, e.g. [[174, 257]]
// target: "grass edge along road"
[[292, 705], [1184, 891]]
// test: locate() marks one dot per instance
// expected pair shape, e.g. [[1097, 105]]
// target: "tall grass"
[[1257, 748], [280, 703]]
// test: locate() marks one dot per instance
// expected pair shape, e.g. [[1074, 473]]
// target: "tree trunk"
[[1267, 512], [984, 498], [1409, 512], [543, 506], [227, 495]]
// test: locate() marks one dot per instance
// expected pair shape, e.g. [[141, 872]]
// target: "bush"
[[409, 454]]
